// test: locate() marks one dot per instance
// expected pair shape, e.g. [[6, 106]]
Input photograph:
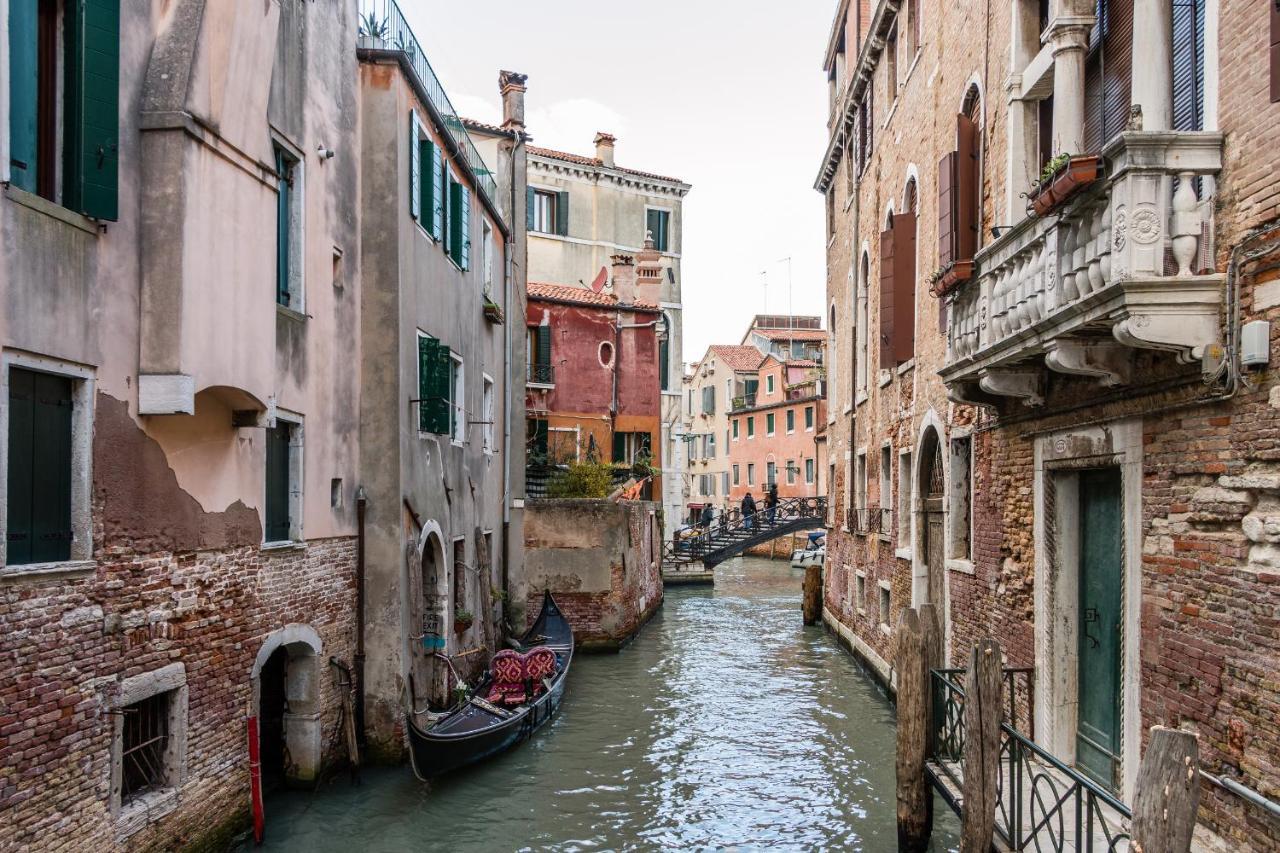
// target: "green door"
[[1101, 599]]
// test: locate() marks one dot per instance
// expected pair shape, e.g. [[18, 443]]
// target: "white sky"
[[727, 95]]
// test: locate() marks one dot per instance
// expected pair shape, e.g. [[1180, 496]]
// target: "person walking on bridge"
[[748, 511], [771, 502]]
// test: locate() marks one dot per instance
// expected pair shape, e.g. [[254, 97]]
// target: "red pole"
[[255, 780]]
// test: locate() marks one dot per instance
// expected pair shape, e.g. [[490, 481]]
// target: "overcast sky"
[[727, 95]]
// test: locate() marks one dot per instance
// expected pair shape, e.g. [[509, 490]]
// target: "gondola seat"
[[539, 663], [507, 670]]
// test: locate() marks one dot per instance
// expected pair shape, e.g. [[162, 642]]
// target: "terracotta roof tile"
[[473, 124], [802, 362], [579, 295], [740, 358], [791, 334], [595, 162]]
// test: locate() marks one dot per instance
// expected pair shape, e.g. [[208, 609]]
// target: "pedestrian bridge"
[[693, 557]]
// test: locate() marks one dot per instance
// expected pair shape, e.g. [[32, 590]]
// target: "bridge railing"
[[700, 540], [1041, 803]]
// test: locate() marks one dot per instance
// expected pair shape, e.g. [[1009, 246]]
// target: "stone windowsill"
[[40, 204], [145, 810], [885, 629], [861, 398], [886, 376], [291, 313], [962, 566], [903, 553], [66, 569], [907, 365], [289, 545]]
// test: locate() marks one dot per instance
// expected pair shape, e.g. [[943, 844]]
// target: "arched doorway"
[[286, 687], [428, 623], [932, 491]]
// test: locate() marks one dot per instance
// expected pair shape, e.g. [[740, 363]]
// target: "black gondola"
[[480, 729]]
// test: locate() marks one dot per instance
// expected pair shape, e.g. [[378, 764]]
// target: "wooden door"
[[934, 554], [1099, 626]]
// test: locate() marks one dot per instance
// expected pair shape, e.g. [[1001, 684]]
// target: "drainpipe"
[[362, 501]]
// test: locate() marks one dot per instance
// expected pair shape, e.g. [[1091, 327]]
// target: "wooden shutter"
[[904, 286], [544, 345], [415, 167], [1188, 65], [437, 193], [620, 447], [39, 479], [433, 385], [283, 216], [24, 75], [456, 235], [968, 209], [947, 209], [529, 202], [1108, 74], [427, 182], [887, 313], [1275, 52], [277, 484], [464, 217], [93, 106], [664, 364], [562, 213]]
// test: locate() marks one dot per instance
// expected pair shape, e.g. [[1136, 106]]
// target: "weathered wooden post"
[[1168, 793], [812, 594], [983, 709], [917, 649]]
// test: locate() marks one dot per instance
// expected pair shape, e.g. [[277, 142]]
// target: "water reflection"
[[725, 724]]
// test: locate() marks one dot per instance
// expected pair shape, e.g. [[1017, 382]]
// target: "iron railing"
[[746, 401], [1041, 803], [872, 519], [383, 28], [700, 540], [541, 374]]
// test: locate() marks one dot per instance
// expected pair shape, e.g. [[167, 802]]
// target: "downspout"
[[508, 277], [362, 501]]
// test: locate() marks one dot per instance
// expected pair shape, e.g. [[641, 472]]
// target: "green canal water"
[[725, 724]]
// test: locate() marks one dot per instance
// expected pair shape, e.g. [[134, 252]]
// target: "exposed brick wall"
[[69, 643]]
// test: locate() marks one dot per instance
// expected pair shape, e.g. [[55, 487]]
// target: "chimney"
[[624, 279], [604, 148], [511, 85], [649, 272]]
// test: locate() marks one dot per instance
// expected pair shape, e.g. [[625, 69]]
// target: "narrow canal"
[[726, 724]]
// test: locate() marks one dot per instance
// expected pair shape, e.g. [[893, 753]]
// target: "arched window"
[[664, 351], [860, 323]]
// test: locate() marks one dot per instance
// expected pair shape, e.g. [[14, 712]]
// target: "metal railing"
[[540, 374], [1041, 803], [872, 519], [746, 401], [700, 540], [383, 28]]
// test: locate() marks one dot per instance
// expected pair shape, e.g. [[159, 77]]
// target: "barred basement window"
[[145, 746]]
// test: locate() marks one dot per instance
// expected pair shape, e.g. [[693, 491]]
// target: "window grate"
[[145, 743]]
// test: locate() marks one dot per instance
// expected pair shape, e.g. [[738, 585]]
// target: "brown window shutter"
[[947, 209], [1108, 74], [968, 208], [904, 286], [1275, 51], [887, 269]]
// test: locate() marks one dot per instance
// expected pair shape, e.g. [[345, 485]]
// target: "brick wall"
[[68, 644]]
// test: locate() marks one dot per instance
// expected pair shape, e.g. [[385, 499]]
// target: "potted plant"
[[1062, 177], [462, 620], [372, 31], [945, 279], [493, 311]]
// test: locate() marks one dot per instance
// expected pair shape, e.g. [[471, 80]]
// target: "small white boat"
[[815, 553]]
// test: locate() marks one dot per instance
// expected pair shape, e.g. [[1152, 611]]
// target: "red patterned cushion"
[[506, 694], [507, 667], [539, 663]]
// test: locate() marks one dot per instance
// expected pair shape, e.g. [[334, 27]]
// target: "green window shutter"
[[39, 477], [426, 363], [426, 181], [23, 79], [415, 167], [768, 423], [562, 213], [735, 428], [791, 419], [93, 108], [620, 447], [277, 484], [283, 202], [664, 364], [529, 199], [544, 345], [455, 222], [465, 219], [651, 224], [438, 398], [437, 192]]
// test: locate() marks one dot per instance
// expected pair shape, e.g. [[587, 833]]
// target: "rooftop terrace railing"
[[383, 28]]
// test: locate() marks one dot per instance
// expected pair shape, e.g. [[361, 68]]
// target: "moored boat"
[[501, 713]]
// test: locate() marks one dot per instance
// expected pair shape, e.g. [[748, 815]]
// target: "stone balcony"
[[1081, 290]]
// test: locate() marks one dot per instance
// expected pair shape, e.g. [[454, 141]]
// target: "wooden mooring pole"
[[917, 650], [812, 603], [1168, 793], [983, 708]]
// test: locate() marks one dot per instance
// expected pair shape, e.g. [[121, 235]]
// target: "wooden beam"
[[911, 661], [1168, 793], [983, 709]]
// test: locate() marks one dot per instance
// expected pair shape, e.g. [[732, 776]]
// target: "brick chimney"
[[649, 272], [604, 148], [624, 279], [511, 85]]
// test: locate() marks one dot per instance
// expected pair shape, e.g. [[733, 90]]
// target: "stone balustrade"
[[1123, 265]]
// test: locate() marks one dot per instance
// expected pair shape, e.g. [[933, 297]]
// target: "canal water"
[[725, 724]]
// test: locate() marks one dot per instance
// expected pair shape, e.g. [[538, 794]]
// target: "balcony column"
[[1069, 35], [1153, 62]]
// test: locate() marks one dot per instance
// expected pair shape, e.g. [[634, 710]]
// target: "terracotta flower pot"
[[957, 274]]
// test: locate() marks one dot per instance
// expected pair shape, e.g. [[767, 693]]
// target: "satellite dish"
[[598, 283]]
